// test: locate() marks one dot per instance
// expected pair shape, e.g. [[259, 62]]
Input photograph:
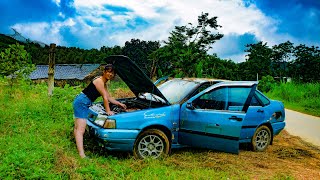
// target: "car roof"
[[200, 80], [238, 83]]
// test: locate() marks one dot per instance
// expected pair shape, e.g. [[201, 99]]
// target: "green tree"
[[266, 83], [281, 56], [15, 62], [187, 47], [139, 50], [258, 62], [306, 66]]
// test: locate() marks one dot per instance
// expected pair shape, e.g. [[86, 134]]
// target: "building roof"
[[65, 71]]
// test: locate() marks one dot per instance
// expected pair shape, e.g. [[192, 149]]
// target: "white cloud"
[[61, 15], [95, 25], [44, 32], [240, 57], [57, 2], [146, 8]]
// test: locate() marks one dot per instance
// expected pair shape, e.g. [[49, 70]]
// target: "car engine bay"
[[133, 104]]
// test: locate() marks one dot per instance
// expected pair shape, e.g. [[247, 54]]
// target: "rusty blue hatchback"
[[197, 112]]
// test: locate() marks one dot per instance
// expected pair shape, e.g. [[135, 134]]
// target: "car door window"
[[213, 100], [237, 96], [201, 88], [226, 98]]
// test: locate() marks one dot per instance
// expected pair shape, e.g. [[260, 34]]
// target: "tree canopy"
[[184, 54], [15, 62]]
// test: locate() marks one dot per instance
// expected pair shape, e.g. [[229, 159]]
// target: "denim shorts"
[[81, 106]]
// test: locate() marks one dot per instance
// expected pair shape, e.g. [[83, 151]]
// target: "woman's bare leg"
[[79, 129]]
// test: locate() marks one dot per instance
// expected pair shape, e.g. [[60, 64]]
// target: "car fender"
[[161, 127]]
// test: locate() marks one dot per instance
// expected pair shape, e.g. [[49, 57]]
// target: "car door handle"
[[260, 110], [235, 118], [213, 125]]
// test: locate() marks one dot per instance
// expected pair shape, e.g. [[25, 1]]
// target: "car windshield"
[[177, 89]]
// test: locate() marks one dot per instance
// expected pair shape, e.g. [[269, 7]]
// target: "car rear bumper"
[[248, 131], [278, 127]]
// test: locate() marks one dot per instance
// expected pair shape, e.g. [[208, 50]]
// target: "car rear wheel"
[[151, 143], [261, 139]]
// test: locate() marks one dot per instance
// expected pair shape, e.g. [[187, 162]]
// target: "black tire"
[[152, 143], [261, 139]]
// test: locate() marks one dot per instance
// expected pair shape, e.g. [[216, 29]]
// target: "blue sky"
[[96, 23]]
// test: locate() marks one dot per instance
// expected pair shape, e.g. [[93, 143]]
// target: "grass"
[[304, 98], [36, 140]]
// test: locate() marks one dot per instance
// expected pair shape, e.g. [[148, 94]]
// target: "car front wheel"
[[261, 139], [151, 143]]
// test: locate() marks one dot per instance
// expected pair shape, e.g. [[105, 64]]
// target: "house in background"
[[72, 74]]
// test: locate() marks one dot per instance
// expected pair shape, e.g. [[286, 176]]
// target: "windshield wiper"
[[158, 99], [151, 97], [154, 97], [142, 95]]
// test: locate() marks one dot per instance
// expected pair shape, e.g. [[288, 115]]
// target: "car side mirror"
[[190, 106]]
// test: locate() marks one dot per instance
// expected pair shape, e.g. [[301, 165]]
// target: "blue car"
[[206, 113]]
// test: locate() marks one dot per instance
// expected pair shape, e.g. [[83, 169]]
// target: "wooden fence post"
[[51, 68]]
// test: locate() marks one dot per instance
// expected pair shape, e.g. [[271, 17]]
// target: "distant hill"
[[5, 41], [17, 36], [64, 55]]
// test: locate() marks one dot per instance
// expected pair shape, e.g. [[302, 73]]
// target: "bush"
[[266, 83], [15, 62]]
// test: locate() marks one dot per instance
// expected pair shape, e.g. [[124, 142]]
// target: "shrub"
[[15, 62], [266, 83]]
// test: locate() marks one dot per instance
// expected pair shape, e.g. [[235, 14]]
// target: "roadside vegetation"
[[36, 140], [302, 97], [299, 97]]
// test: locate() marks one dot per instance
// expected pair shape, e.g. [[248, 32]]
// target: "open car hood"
[[133, 76]]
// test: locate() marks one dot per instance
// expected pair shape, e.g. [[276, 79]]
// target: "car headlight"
[[109, 124], [103, 121]]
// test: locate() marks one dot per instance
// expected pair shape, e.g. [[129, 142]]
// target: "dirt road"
[[305, 126]]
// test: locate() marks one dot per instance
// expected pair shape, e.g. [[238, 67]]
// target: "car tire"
[[152, 143], [261, 139]]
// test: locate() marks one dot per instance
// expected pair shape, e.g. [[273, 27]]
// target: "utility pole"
[[52, 56]]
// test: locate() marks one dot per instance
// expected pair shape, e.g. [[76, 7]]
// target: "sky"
[[91, 24]]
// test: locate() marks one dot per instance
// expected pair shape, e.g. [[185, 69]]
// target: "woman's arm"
[[104, 93], [106, 96], [113, 101]]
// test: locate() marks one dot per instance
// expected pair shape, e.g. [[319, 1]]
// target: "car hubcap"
[[262, 139], [150, 146]]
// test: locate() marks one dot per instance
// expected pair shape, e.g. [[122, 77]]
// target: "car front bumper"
[[114, 139]]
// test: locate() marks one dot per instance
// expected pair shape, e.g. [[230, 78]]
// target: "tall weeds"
[[301, 97]]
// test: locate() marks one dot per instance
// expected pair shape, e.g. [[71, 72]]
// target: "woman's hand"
[[110, 113], [122, 105]]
